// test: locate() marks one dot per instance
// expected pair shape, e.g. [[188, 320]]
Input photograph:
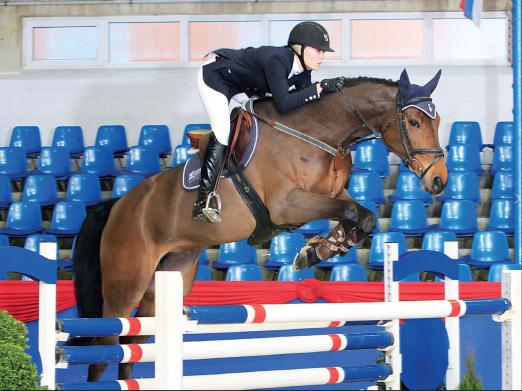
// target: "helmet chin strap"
[[300, 56]]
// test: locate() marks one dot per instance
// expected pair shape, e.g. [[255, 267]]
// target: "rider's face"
[[313, 58]]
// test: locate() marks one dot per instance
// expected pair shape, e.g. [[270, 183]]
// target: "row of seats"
[[469, 132]]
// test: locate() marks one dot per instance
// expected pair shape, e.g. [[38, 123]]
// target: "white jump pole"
[[451, 292]]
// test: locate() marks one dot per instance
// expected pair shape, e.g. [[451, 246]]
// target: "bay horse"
[[122, 243]]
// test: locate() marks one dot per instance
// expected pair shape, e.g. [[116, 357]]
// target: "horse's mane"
[[349, 82]]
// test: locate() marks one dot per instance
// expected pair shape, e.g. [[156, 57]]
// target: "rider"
[[284, 72]]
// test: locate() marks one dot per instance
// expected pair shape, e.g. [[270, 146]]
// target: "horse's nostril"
[[437, 185]]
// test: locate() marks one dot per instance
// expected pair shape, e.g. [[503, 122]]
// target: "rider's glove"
[[332, 85]]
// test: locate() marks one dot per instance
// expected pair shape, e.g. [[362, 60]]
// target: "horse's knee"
[[367, 221], [351, 213]]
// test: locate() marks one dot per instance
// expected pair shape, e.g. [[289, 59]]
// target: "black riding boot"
[[208, 204]]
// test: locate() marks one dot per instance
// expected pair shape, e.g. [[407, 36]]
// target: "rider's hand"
[[332, 85]]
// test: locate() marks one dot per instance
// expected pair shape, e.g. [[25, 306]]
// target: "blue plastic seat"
[[370, 205], [114, 137], [286, 273], [349, 257], [204, 273], [6, 196], [372, 156], [488, 247], [376, 258], [13, 162], [235, 253], [496, 270], [502, 159], [434, 240], [98, 160], [249, 272], [28, 138], [157, 137], [180, 155], [502, 216], [502, 187], [54, 161], [23, 218], [67, 218], [464, 157], [465, 132], [503, 133], [123, 183], [70, 137], [314, 227], [40, 188], [4, 240], [462, 185], [283, 249], [366, 185], [459, 216], [349, 272], [409, 217], [84, 187], [143, 160], [409, 187], [32, 242], [191, 127], [465, 273]]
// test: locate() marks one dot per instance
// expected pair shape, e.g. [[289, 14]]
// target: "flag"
[[472, 10]]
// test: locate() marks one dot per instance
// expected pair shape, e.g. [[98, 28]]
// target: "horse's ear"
[[404, 81], [432, 84]]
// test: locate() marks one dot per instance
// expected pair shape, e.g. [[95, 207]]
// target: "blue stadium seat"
[[249, 272], [283, 249], [23, 218], [157, 137], [143, 160], [464, 157], [4, 240], [286, 273], [314, 227], [40, 188], [502, 159], [502, 187], [28, 138], [409, 217], [459, 216], [376, 258], [349, 257], [409, 187], [180, 155], [488, 247], [349, 272], [462, 185], [235, 253], [465, 132], [503, 133], [114, 137], [366, 185], [124, 182], [191, 127], [434, 240], [464, 273], [32, 242], [6, 196], [84, 187], [54, 161], [203, 257], [98, 160], [13, 162], [203, 273], [372, 156], [502, 216], [370, 205], [67, 218], [496, 270], [70, 137]]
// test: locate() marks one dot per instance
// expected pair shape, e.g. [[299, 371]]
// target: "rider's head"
[[310, 40]]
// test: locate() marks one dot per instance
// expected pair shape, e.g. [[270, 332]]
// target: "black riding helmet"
[[310, 34]]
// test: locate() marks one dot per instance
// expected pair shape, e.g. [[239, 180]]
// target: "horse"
[[298, 179]]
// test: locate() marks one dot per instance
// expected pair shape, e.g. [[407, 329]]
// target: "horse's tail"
[[86, 265]]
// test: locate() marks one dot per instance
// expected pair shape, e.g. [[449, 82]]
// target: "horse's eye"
[[414, 123]]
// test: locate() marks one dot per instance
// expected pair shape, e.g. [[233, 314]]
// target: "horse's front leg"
[[355, 223]]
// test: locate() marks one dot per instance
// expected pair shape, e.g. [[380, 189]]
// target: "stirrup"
[[212, 214]]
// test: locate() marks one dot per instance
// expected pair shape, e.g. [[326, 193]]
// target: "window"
[[65, 43]]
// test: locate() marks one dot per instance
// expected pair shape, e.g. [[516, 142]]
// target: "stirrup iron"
[[213, 214]]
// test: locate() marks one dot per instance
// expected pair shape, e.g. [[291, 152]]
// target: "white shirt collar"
[[297, 68]]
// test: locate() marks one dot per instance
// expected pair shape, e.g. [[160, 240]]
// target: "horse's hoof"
[[306, 258]]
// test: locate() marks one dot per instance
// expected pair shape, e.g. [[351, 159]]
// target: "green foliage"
[[470, 381], [12, 331]]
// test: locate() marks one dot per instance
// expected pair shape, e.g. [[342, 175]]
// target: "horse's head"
[[415, 135]]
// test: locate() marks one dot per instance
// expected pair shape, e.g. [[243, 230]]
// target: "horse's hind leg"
[[184, 261]]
